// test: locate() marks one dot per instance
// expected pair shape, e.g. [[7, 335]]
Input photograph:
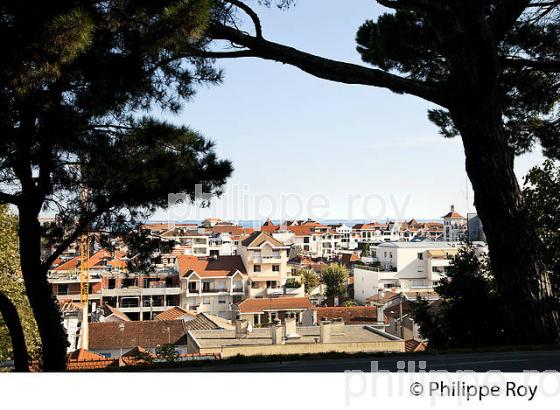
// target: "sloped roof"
[[110, 310], [453, 215], [258, 238], [210, 267], [69, 264], [149, 334], [271, 304], [352, 315], [175, 313], [414, 346], [232, 229], [82, 355]]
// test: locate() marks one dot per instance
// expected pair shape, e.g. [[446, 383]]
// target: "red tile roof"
[[414, 346], [222, 266], [258, 238], [232, 229], [453, 215], [69, 264], [110, 310], [150, 334], [272, 304], [174, 313], [352, 315]]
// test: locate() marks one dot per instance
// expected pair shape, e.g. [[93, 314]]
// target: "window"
[[256, 268], [206, 301], [271, 284], [192, 286], [112, 283], [222, 299], [420, 256], [62, 289], [275, 268]]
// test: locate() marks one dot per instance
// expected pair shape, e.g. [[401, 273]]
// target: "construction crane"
[[84, 270]]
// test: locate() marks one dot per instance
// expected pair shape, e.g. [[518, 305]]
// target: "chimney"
[[337, 326], [240, 328], [380, 314], [277, 332], [291, 331], [325, 331]]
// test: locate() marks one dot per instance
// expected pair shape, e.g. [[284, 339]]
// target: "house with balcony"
[[64, 278], [403, 267], [212, 284], [266, 263], [141, 296]]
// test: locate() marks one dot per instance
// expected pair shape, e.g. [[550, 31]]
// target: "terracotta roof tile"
[[280, 303], [258, 238], [210, 267], [350, 314], [175, 313], [149, 334]]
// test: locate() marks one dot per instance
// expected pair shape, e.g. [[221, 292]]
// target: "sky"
[[305, 147]]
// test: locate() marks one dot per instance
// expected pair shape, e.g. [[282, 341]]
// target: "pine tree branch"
[[325, 68], [550, 66], [504, 17], [9, 198], [251, 13]]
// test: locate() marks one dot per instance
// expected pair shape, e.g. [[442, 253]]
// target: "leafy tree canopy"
[[12, 286], [335, 279]]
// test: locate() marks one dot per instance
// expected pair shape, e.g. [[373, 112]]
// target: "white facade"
[[404, 266]]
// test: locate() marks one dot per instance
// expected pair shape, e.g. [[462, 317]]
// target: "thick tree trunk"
[[515, 251], [13, 323], [45, 308]]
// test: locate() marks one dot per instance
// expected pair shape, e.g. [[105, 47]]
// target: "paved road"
[[502, 361]]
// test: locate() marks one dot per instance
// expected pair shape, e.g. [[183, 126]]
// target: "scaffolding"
[[84, 270]]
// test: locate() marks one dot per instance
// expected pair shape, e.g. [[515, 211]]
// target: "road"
[[502, 361]]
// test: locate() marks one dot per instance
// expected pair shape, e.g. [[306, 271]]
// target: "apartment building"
[[211, 284], [403, 266], [64, 277], [266, 263]]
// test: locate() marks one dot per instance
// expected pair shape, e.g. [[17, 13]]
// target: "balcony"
[[136, 291], [215, 290]]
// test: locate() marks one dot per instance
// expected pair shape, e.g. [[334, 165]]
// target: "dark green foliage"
[[542, 195], [77, 81], [335, 279], [470, 313], [414, 43], [167, 353], [292, 283]]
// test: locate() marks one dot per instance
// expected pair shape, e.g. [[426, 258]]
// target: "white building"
[[404, 266], [454, 226]]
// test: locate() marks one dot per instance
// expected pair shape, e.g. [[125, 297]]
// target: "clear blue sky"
[[288, 133]]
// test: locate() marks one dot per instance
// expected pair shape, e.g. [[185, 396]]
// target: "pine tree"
[[78, 79], [493, 68]]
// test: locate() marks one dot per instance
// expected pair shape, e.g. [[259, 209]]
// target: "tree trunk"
[[515, 250], [19, 348], [45, 308]]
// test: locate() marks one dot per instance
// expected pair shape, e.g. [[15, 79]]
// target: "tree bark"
[[13, 323], [45, 308], [515, 251]]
